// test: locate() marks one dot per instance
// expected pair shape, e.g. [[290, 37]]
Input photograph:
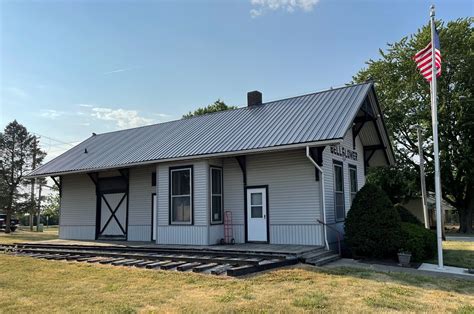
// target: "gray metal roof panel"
[[314, 117]]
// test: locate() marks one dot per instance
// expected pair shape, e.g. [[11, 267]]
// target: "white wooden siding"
[[233, 190], [328, 159], [192, 235], [197, 233], [78, 208], [139, 210], [216, 233], [294, 202], [293, 192]]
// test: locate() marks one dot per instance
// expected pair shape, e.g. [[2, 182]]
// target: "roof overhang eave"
[[203, 156]]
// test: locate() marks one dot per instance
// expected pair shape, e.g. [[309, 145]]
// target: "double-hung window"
[[353, 181], [216, 195], [339, 207], [181, 198]]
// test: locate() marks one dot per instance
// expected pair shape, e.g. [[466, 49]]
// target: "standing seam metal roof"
[[320, 116]]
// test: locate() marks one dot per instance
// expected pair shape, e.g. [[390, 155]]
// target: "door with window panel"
[[257, 215]]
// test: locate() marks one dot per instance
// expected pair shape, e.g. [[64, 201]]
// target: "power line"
[[53, 139]]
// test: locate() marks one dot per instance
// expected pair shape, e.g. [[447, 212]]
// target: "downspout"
[[308, 155]]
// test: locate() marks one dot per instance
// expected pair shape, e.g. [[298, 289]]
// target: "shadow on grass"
[[438, 283]]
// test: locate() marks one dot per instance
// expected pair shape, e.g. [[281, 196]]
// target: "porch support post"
[[242, 160], [94, 176]]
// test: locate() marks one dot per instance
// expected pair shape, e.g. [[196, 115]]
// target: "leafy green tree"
[[218, 105], [399, 182], [405, 97], [51, 208], [17, 148]]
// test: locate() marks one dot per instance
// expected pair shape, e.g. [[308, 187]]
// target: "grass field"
[[458, 253], [28, 284]]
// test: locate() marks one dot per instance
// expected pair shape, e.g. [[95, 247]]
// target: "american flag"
[[423, 58]]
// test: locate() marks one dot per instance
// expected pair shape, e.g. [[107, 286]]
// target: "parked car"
[[14, 223]]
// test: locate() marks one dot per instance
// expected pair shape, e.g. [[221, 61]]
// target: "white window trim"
[[341, 165], [216, 222], [183, 195]]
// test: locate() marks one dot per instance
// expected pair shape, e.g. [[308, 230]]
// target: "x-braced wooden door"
[[113, 216]]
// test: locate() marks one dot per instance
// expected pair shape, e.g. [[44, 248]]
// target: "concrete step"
[[323, 260], [317, 255]]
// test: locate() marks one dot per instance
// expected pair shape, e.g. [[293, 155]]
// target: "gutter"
[[323, 195]]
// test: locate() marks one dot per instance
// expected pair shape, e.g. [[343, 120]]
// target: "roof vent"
[[254, 98], [85, 150], [94, 134]]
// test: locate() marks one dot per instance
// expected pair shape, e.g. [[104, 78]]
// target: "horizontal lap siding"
[[293, 193], [328, 160], [292, 190], [234, 197], [197, 233], [192, 235], [78, 208], [139, 211], [296, 234]]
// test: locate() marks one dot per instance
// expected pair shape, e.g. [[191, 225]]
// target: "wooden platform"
[[232, 260], [242, 247]]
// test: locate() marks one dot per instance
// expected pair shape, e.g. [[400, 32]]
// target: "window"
[[353, 181], [339, 192], [216, 195], [153, 179], [181, 200]]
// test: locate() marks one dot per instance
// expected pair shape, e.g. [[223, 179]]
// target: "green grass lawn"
[[458, 253], [28, 284], [25, 235]]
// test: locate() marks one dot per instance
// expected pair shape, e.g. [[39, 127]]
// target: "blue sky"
[[70, 68]]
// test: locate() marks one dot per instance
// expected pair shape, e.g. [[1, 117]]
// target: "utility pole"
[[38, 217], [33, 180], [422, 178]]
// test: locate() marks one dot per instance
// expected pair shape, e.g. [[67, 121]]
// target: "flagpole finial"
[[432, 10]]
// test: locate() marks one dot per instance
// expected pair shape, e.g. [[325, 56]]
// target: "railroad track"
[[193, 260]]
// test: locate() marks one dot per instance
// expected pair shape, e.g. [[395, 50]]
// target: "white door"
[[257, 215]]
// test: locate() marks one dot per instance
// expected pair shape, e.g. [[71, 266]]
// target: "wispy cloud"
[[85, 105], [262, 6], [122, 117], [121, 70], [17, 92], [51, 113]]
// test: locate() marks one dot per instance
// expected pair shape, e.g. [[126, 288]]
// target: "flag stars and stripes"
[[423, 59]]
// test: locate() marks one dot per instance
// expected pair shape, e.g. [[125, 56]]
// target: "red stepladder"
[[228, 232]]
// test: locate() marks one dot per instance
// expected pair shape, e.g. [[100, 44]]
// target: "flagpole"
[[434, 118]]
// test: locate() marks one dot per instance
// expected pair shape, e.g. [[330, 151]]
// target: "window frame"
[[191, 196], [212, 221], [353, 194], [337, 163]]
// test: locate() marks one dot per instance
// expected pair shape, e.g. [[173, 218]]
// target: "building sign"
[[343, 152]]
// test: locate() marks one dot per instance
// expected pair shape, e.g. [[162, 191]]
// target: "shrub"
[[372, 227], [407, 216], [419, 241]]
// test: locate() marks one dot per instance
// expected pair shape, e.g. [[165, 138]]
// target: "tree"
[[51, 208], [16, 155], [405, 98], [218, 105], [372, 227], [400, 182]]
